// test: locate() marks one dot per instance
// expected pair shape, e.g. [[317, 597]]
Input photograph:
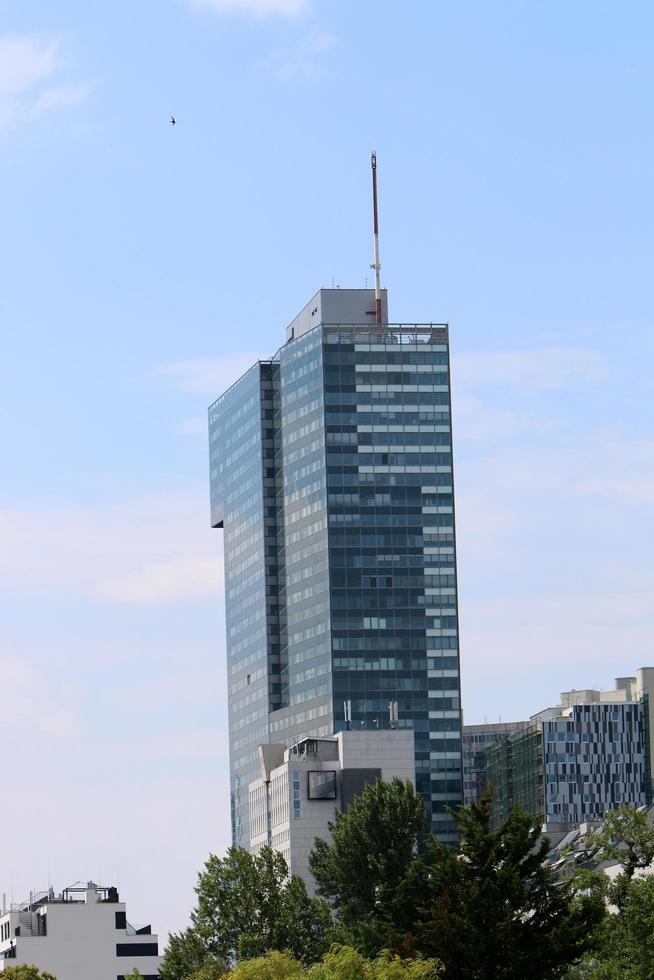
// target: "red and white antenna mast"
[[376, 264]]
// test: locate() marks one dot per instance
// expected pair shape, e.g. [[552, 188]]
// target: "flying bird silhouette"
[[172, 120]]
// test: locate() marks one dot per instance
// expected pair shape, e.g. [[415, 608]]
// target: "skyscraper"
[[331, 475]]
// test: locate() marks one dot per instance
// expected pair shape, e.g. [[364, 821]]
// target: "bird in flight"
[[172, 120]]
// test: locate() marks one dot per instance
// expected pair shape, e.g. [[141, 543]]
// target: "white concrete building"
[[300, 787], [80, 934]]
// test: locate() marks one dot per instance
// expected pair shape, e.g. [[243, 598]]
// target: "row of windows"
[[343, 356], [343, 416], [416, 399]]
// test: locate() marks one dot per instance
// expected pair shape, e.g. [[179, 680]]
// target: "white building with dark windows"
[[301, 786], [82, 933]]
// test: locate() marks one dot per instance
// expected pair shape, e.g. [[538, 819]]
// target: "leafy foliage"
[[493, 910], [212, 970], [489, 910], [272, 966], [625, 940], [626, 836], [186, 955], [373, 846], [25, 972], [247, 906], [341, 963], [344, 962]]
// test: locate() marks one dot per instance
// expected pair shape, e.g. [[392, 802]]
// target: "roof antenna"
[[376, 264]]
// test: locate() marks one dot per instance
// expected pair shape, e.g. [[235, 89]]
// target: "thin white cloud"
[[302, 59], [60, 96], [475, 421], [152, 549], [198, 687], [541, 369], [192, 427], [207, 376], [28, 700], [176, 579], [29, 87], [259, 9], [553, 547]]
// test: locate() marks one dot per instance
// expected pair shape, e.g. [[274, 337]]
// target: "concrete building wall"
[[82, 941], [336, 306], [296, 818]]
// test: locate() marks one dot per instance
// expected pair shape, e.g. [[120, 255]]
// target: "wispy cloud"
[[253, 8], [302, 59], [29, 83], [112, 552], [30, 700], [176, 579], [192, 427], [207, 376], [475, 421], [541, 369], [554, 525], [202, 686], [60, 96]]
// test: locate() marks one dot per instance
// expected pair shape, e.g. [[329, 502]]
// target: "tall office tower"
[[331, 475]]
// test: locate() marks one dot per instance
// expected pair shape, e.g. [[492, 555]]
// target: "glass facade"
[[573, 767], [331, 473]]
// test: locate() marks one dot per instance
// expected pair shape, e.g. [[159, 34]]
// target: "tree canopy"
[[341, 963], [247, 906], [487, 909], [491, 909], [373, 845], [24, 972], [624, 948], [626, 836]]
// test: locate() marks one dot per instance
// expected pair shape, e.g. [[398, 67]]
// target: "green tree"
[[247, 906], [345, 963], [25, 972], [186, 953], [492, 910], [340, 963], [212, 970], [626, 836], [626, 939], [272, 966], [373, 845]]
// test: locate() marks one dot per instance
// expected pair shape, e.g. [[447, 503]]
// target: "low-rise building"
[[81, 933], [573, 762], [301, 786]]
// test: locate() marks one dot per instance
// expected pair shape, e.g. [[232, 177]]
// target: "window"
[[137, 949], [297, 806], [322, 785]]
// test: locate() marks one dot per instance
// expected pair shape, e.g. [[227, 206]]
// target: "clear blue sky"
[[142, 267]]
